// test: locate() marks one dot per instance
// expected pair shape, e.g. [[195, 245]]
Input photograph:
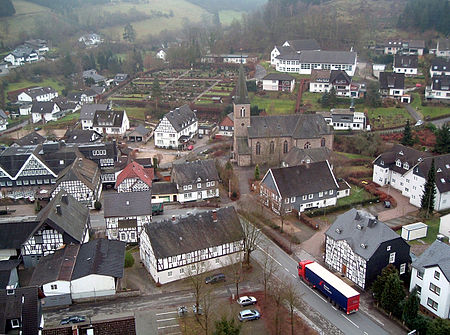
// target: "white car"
[[246, 301]]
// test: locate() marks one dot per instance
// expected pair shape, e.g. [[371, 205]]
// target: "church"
[[267, 139]]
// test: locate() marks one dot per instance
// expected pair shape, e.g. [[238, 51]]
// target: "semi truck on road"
[[337, 291]]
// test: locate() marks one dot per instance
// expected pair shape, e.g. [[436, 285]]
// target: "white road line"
[[165, 313], [334, 308], [269, 255], [293, 275], [319, 296], [286, 269], [350, 321], [381, 323], [163, 320], [171, 326], [366, 333]]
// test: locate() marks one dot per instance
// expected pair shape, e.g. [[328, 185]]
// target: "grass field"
[[353, 156], [137, 113], [227, 16], [429, 111], [388, 117], [27, 83], [356, 194], [272, 104], [309, 98]]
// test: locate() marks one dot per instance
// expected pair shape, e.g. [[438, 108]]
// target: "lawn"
[[27, 83], [357, 194], [274, 105], [433, 230], [388, 117], [354, 156], [137, 113], [227, 16], [311, 100], [428, 111]]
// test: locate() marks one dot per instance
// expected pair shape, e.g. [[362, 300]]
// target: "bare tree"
[[197, 280], [268, 267], [207, 302], [235, 265], [277, 293], [292, 298], [252, 236]]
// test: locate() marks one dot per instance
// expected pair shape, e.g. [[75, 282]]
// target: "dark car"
[[387, 204], [215, 278], [73, 319]]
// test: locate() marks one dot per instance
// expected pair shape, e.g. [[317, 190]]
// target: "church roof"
[[241, 95]]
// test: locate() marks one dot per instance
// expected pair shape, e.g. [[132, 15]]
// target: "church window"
[[258, 148], [272, 147], [322, 142], [243, 112], [285, 147], [307, 145]]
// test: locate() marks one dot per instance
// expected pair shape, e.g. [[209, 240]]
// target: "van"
[[215, 278]]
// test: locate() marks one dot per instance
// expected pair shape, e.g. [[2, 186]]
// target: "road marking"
[[171, 326], [293, 275], [286, 269], [319, 295], [269, 255], [334, 308], [366, 333], [350, 321], [169, 319], [165, 313]]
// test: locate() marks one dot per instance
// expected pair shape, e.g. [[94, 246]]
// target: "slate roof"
[[404, 154], [42, 107], [322, 57], [297, 126], [181, 117], [24, 305], [420, 44], [13, 158], [81, 136], [440, 64], [437, 254], [30, 139], [309, 178], [119, 77], [392, 80], [38, 91], [322, 76], [22, 51], [81, 169], [279, 76], [127, 204], [297, 156], [102, 257], [88, 110], [73, 220], [164, 187], [194, 232], [189, 172], [3, 114], [241, 93], [140, 130], [339, 75], [14, 233], [406, 61], [442, 166], [108, 118], [53, 153], [444, 44], [56, 266], [64, 104], [364, 241], [441, 83], [94, 75], [136, 170], [304, 44], [5, 271]]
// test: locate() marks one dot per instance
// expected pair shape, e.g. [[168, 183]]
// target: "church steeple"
[[241, 96]]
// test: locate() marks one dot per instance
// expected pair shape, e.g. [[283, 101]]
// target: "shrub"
[[98, 205], [129, 260]]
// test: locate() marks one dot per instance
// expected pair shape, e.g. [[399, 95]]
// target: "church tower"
[[241, 109]]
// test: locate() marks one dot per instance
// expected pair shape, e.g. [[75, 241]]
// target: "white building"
[[3, 120], [406, 64], [126, 213], [44, 111], [197, 180], [306, 61], [443, 48], [78, 271], [440, 67], [111, 122], [345, 119], [161, 54], [134, 178], [21, 55], [87, 114], [176, 128], [38, 94], [392, 85], [226, 126], [90, 39], [282, 82], [431, 276], [292, 46], [200, 242], [409, 47], [324, 80], [444, 225], [439, 89]]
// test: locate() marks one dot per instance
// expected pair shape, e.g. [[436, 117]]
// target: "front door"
[[344, 269]]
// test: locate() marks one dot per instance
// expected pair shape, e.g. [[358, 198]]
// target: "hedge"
[[320, 211]]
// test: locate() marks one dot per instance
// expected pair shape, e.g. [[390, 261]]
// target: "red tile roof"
[[136, 170]]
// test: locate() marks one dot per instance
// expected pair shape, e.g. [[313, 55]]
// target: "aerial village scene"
[[257, 167]]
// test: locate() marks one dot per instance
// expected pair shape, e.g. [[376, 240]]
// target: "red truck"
[[337, 292]]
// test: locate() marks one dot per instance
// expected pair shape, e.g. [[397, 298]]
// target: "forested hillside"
[[64, 6], [6, 8], [425, 15], [238, 5]]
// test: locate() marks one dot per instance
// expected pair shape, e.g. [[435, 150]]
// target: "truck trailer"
[[337, 292]]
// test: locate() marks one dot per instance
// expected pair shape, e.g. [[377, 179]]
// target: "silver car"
[[248, 315], [246, 301]]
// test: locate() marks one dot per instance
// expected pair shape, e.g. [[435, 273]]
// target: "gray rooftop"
[[127, 204], [278, 76], [88, 111], [437, 254], [181, 117], [241, 95], [190, 172]]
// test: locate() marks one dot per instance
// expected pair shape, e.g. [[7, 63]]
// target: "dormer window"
[[382, 162], [439, 170], [398, 163], [401, 153], [406, 166], [442, 180]]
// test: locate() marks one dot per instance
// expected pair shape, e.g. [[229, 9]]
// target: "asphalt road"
[[356, 323]]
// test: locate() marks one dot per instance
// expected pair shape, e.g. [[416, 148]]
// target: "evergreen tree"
[[411, 308], [227, 327], [379, 284], [6, 8], [439, 327], [325, 100], [332, 97], [373, 98], [427, 203], [257, 172], [407, 138], [129, 34], [442, 140], [393, 293]]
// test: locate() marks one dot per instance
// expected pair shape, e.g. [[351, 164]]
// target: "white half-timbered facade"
[[134, 178], [126, 214], [170, 251], [176, 128]]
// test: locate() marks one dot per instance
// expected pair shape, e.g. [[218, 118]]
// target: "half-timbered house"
[[200, 242], [359, 247], [64, 220], [134, 178], [164, 191], [82, 180], [126, 213], [196, 180]]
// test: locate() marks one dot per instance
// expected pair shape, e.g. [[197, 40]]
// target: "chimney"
[[58, 210], [372, 223], [214, 215], [65, 199]]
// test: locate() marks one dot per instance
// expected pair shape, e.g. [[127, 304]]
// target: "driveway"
[[414, 114], [403, 205]]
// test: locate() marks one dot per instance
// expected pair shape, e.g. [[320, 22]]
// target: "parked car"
[[73, 319], [387, 204], [190, 147], [246, 300], [248, 315], [419, 123], [215, 278], [200, 136]]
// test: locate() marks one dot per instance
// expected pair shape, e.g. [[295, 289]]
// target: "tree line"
[[65, 6], [426, 15], [6, 8]]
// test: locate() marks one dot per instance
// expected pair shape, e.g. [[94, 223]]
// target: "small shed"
[[414, 231], [139, 134], [444, 225]]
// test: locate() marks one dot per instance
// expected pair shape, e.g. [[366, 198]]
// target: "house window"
[[433, 304], [403, 268], [169, 274], [304, 197], [322, 142], [54, 287], [419, 274], [272, 147], [123, 236], [437, 275], [286, 201], [331, 192], [388, 248], [285, 147], [258, 148], [15, 323], [320, 194], [307, 145], [212, 183], [199, 185], [243, 112], [310, 196], [133, 235], [182, 270], [419, 290], [189, 187], [392, 257], [435, 289], [292, 199]]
